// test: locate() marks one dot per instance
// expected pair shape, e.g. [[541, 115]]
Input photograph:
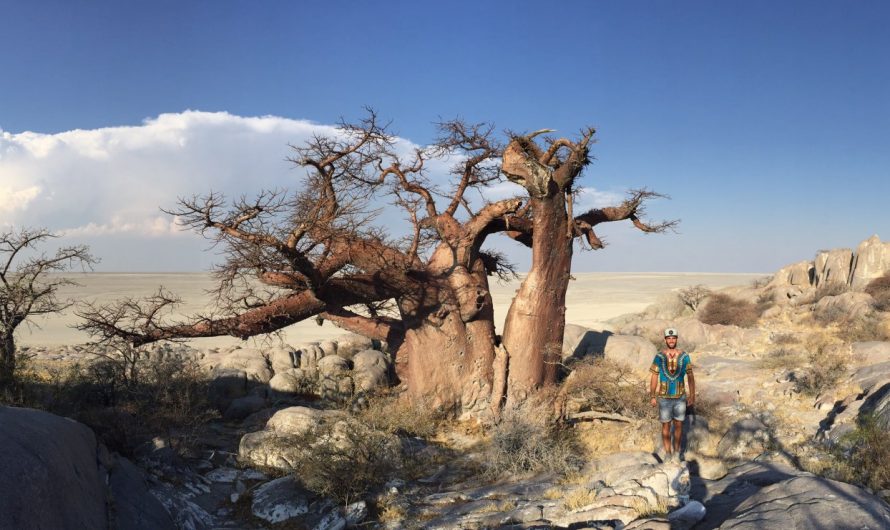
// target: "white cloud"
[[115, 179], [590, 198], [105, 187], [12, 199]]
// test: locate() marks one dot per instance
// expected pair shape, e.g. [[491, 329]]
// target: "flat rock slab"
[[810, 502]]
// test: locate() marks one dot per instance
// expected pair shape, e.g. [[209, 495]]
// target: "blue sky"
[[767, 122]]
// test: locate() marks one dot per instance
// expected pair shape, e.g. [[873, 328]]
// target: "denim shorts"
[[671, 409]]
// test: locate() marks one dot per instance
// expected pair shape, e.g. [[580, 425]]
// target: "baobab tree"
[[29, 285], [319, 253]]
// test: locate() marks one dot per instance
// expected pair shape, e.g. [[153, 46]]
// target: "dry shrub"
[[761, 282], [825, 369], [870, 327], [693, 296], [579, 498], [783, 358], [399, 415], [347, 459], [724, 309], [784, 339], [169, 398], [862, 456], [526, 440], [879, 289], [606, 385]]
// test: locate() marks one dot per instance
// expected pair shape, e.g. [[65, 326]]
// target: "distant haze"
[[591, 299]]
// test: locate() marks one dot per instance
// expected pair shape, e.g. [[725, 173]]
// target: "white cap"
[[670, 332]]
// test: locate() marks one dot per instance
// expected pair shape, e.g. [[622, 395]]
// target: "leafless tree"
[[693, 296], [319, 253], [29, 285]]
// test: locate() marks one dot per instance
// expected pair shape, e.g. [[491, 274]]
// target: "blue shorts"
[[671, 409]]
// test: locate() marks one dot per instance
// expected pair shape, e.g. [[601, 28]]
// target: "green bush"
[[724, 309]]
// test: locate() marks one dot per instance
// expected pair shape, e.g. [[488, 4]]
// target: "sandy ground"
[[592, 298]]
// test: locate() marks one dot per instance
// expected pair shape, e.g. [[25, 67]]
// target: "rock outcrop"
[[841, 266], [872, 260], [56, 475]]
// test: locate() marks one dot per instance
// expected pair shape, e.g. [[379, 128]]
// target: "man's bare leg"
[[678, 435], [666, 437]]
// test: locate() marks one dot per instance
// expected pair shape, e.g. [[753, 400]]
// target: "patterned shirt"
[[671, 374]]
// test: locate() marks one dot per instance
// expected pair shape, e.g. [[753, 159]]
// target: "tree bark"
[[7, 360], [447, 356], [533, 331]]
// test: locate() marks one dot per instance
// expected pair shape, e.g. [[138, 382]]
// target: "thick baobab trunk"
[[448, 352], [7, 360], [533, 331], [449, 364]]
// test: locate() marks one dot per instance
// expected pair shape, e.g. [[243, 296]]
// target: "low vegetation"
[[344, 460], [724, 309], [693, 296], [606, 385], [782, 358], [870, 327], [124, 405], [861, 456], [824, 369], [522, 444]]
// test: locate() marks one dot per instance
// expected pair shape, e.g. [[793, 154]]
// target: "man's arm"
[[653, 384], [690, 399]]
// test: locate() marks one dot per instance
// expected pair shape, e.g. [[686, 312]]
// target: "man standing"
[[669, 369]]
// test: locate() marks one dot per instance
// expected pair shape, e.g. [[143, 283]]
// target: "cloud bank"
[[106, 186]]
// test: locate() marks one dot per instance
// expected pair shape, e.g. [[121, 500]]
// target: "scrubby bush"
[[608, 386], [344, 460], [519, 445], [169, 398], [824, 370], [761, 282], [784, 339], [393, 414], [783, 358], [869, 327], [862, 456], [879, 289], [724, 309], [693, 296]]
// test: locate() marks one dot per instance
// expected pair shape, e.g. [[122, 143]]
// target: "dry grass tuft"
[[784, 339], [606, 385], [861, 457], [579, 498], [870, 327], [724, 309], [825, 368], [783, 358], [526, 440], [398, 415]]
